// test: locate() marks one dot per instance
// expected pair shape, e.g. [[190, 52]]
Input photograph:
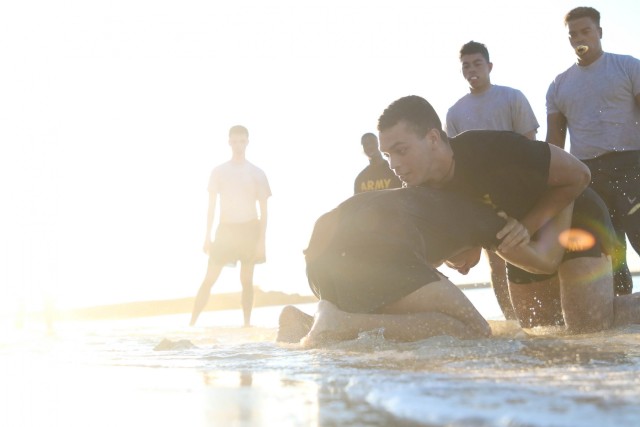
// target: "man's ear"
[[490, 66], [433, 135]]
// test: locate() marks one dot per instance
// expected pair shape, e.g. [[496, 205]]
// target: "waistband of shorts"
[[239, 225], [614, 155]]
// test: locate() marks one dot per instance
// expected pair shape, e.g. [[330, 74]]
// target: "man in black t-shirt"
[[377, 175], [530, 181]]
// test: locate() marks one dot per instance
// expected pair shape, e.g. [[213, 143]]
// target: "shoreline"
[[217, 302], [134, 309]]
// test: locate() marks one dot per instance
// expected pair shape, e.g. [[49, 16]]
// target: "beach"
[[158, 371]]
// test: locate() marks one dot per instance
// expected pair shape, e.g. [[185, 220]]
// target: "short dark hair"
[[474, 47], [368, 135], [414, 110], [238, 129], [582, 12]]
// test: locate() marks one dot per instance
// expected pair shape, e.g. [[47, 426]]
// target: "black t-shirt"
[[501, 168], [429, 224], [377, 176]]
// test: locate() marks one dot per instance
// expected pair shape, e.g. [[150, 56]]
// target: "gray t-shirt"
[[498, 108], [599, 105]]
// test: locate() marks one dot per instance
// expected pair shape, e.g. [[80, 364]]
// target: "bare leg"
[[500, 285], [587, 294], [334, 324], [246, 279], [439, 308], [627, 309], [537, 304], [442, 297], [213, 272]]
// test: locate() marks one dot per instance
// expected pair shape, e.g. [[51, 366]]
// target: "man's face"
[[370, 146], [585, 32], [415, 159], [238, 142], [476, 70]]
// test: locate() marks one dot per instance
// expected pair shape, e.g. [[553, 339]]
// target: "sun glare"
[[576, 239]]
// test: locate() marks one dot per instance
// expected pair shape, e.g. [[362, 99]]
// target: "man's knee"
[[537, 303], [587, 294]]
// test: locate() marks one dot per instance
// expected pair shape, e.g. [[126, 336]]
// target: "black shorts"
[[235, 242], [378, 247], [589, 214], [365, 278]]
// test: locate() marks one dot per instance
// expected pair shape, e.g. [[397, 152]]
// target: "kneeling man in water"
[[372, 262]]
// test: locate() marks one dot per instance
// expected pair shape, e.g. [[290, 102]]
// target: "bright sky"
[[113, 114]]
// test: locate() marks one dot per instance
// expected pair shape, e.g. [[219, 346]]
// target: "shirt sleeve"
[[552, 108], [634, 75], [449, 127], [264, 190], [214, 182], [524, 119]]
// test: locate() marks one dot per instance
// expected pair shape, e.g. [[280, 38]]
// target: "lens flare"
[[576, 239]]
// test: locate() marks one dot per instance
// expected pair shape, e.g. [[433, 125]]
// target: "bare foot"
[[293, 325], [329, 324]]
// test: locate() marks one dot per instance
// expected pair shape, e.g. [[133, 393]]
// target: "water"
[[107, 373]]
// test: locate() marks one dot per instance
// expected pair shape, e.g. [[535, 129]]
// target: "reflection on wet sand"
[[249, 398], [557, 352]]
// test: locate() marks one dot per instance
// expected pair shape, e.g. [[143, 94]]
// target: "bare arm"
[[568, 178], [543, 255], [211, 213], [531, 135], [557, 129], [540, 256], [261, 248]]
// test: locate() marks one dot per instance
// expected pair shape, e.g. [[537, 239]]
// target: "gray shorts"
[[235, 242]]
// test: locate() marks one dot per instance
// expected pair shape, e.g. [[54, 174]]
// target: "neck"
[[583, 62], [480, 89], [376, 159], [449, 174]]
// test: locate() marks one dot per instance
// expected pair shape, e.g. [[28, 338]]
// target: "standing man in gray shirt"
[[598, 101], [490, 107]]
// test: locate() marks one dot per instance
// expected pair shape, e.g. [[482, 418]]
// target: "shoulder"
[[363, 172], [459, 103], [481, 141], [220, 168], [504, 89], [563, 75], [474, 136], [252, 167], [624, 61], [510, 93], [619, 57]]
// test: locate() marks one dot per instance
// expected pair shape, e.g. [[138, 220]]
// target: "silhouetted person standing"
[[242, 189]]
